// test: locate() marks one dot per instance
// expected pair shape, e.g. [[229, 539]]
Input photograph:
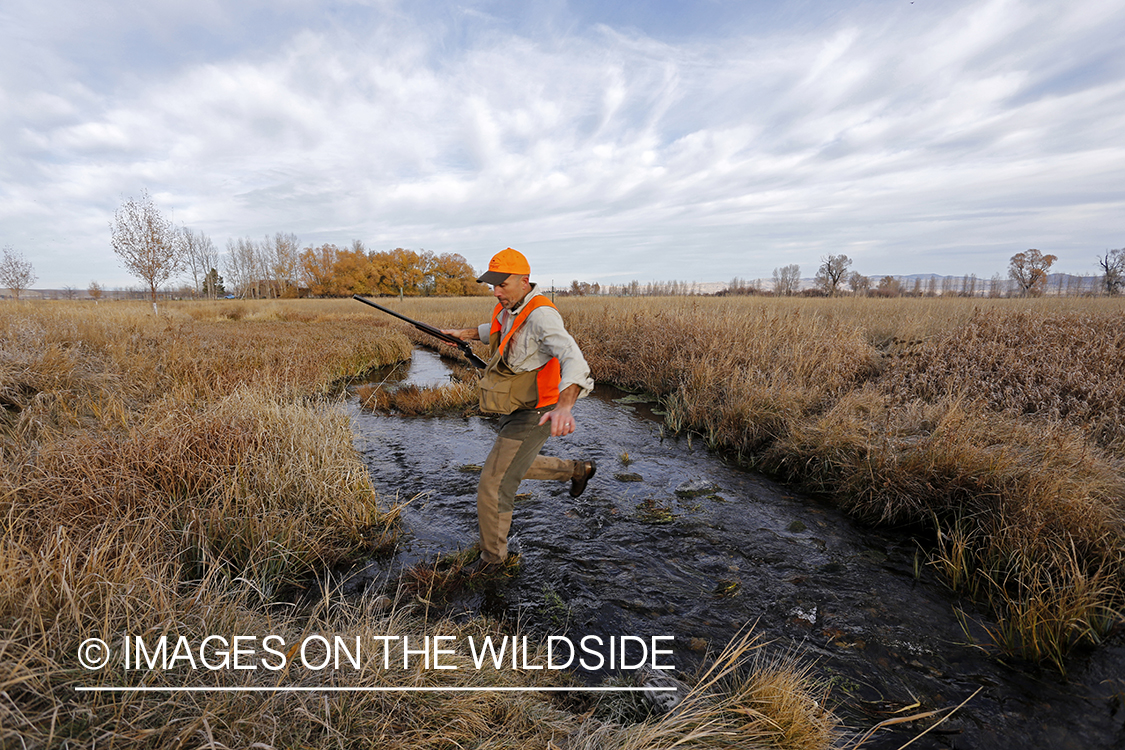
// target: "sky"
[[692, 141]]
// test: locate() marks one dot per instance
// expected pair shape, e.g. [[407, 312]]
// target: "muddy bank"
[[670, 540]]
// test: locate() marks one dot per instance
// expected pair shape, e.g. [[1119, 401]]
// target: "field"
[[192, 474]]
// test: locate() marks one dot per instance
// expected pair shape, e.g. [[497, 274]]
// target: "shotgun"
[[436, 333]]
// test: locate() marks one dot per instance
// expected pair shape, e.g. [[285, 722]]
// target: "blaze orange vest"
[[504, 391]]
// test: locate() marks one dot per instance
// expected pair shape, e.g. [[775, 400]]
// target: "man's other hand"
[[562, 421]]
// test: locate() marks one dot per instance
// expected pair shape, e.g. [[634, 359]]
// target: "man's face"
[[512, 291]]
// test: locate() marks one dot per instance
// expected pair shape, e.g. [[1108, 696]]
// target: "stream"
[[670, 540]]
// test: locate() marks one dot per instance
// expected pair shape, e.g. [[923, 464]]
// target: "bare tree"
[[1113, 270], [200, 255], [859, 283], [16, 272], [786, 280], [147, 243], [832, 271], [243, 266], [1029, 271], [281, 254], [994, 286], [969, 285]]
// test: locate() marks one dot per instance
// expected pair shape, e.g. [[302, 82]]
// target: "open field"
[[998, 425], [186, 475]]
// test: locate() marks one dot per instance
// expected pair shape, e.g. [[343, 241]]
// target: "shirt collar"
[[534, 291]]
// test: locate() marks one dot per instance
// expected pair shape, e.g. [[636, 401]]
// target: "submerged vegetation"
[[190, 474]]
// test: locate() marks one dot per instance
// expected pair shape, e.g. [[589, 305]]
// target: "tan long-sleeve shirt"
[[541, 337]]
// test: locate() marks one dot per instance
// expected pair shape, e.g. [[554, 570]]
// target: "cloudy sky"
[[665, 140]]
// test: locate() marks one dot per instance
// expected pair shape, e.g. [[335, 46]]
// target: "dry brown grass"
[[168, 475], [1058, 366], [414, 400], [745, 699]]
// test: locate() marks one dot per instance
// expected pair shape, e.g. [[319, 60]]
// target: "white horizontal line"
[[295, 689]]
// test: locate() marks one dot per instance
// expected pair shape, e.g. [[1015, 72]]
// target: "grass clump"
[[744, 699], [1049, 365], [413, 400]]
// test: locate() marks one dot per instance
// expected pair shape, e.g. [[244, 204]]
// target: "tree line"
[[1028, 276], [633, 288], [330, 271], [155, 251]]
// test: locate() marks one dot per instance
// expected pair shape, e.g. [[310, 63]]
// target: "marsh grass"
[[413, 400], [1051, 365], [745, 698]]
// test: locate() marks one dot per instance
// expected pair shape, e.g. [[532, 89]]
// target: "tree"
[[1029, 271], [147, 243], [859, 283], [213, 285], [833, 269], [969, 285], [786, 280], [199, 254], [95, 291], [317, 268], [357, 272], [404, 271], [242, 266], [453, 276], [282, 253], [1113, 270], [889, 286], [16, 272]]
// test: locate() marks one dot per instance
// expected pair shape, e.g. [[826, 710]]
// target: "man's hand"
[[465, 334], [562, 420]]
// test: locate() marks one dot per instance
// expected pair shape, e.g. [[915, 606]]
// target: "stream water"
[[669, 540]]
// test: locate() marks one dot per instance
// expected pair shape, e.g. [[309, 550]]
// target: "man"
[[535, 374]]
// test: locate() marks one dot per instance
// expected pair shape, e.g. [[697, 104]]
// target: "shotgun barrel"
[[435, 332]]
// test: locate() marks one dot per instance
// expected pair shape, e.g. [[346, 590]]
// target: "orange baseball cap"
[[504, 264]]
